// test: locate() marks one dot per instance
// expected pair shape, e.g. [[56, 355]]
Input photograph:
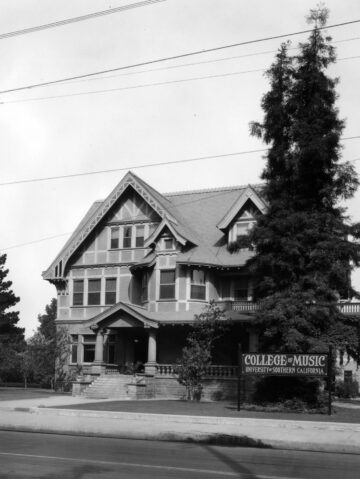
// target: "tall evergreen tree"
[[9, 332], [47, 321], [304, 254], [11, 336]]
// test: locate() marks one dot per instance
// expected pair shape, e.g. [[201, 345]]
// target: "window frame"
[[197, 285], [139, 240], [163, 285], [110, 292], [114, 240], [89, 345], [127, 239], [78, 293], [91, 294]]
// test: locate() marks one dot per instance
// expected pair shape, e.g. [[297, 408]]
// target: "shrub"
[[274, 389], [346, 389]]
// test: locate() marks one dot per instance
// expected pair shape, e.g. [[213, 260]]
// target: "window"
[[167, 284], [198, 287], [114, 242], [241, 289], [94, 292], [140, 233], [144, 286], [110, 291], [127, 237], [74, 348], [78, 292], [168, 243], [243, 228], [89, 348]]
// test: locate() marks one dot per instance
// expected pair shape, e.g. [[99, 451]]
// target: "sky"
[[158, 113]]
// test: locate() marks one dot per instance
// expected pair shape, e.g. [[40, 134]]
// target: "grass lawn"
[[220, 408], [7, 394]]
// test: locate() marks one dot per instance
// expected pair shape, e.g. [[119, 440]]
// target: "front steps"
[[109, 387]]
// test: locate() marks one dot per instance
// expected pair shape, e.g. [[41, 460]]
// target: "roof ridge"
[[209, 190]]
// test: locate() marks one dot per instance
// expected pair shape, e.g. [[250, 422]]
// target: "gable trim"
[[248, 194], [130, 180]]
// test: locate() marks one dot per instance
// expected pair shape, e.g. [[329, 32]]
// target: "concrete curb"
[[284, 434]]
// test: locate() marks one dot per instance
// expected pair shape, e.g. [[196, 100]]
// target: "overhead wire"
[[66, 234], [144, 85], [149, 165], [77, 19], [172, 57], [202, 62]]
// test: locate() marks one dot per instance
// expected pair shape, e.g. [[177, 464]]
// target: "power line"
[[134, 87], [126, 168], [203, 62], [35, 241], [81, 18], [176, 205], [148, 165], [173, 57], [144, 85]]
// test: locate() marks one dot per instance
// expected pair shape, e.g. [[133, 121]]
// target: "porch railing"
[[212, 371], [252, 306]]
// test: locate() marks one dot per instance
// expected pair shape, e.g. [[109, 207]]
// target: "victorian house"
[[140, 265]]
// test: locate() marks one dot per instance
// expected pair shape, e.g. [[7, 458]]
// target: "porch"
[[248, 307]]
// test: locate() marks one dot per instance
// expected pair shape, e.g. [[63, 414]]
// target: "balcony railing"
[[252, 306], [212, 371]]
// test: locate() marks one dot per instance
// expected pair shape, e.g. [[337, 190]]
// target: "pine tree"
[[304, 255], [47, 321], [9, 332], [11, 336]]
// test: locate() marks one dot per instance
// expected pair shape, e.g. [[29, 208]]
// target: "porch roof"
[[151, 319]]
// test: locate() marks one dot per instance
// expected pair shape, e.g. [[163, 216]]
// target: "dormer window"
[[168, 243], [243, 228]]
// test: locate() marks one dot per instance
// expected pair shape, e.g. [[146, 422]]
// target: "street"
[[32, 455]]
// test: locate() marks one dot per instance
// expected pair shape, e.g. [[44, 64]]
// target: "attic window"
[[243, 228], [168, 243]]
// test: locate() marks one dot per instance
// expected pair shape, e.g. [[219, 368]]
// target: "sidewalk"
[[35, 415]]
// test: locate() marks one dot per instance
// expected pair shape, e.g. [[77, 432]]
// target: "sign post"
[[239, 377], [329, 378], [285, 364]]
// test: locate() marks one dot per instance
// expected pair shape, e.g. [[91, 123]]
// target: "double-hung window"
[[78, 292], [140, 235], [110, 291], [198, 286], [127, 236], [94, 292], [114, 241], [167, 284]]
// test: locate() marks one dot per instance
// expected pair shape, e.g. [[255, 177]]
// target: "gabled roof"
[[159, 203], [175, 231], [248, 194], [137, 312]]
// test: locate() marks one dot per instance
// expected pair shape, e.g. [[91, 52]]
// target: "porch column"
[[98, 366], [150, 366]]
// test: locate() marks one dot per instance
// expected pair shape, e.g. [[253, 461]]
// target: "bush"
[[275, 389], [346, 389]]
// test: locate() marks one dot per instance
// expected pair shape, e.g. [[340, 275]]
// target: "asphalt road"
[[31, 455]]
